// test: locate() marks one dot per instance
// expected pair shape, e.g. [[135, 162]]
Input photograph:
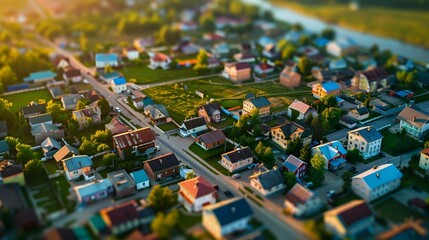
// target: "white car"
[[236, 175], [117, 109]]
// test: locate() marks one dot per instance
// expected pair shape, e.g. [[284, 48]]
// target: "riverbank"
[[405, 25]]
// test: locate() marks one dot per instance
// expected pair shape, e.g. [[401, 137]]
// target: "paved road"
[[272, 218]]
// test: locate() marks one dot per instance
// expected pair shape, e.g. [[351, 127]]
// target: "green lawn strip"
[[345, 198], [372, 159], [167, 126], [145, 75], [204, 164], [27, 197], [229, 121], [248, 189], [393, 144], [20, 100], [51, 166], [62, 187], [394, 211], [186, 221]]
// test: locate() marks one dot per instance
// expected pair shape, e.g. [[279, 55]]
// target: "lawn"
[[229, 121], [51, 166], [394, 145], [412, 180], [400, 213], [390, 22], [220, 89], [145, 75], [186, 222], [62, 186], [344, 198], [167, 126], [50, 201], [88, 131], [215, 152], [20, 100]]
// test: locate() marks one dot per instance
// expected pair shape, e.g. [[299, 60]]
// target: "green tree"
[[72, 126], [207, 22], [83, 43], [290, 179], [305, 154], [347, 179], [426, 145], [13, 142], [168, 35], [268, 156], [108, 69], [161, 198], [354, 156], [317, 162], [81, 104], [57, 112], [88, 147], [331, 118], [328, 33], [202, 62], [163, 224], [101, 136], [7, 76], [104, 107], [304, 66], [24, 153], [34, 168], [110, 159], [317, 169], [297, 27], [294, 146], [288, 52], [259, 149], [6, 113], [329, 101], [102, 147]]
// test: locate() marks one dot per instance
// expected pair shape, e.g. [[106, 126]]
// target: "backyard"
[[393, 144], [20, 100], [145, 75], [167, 126], [399, 214]]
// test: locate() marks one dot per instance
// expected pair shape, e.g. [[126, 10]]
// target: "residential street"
[[273, 219]]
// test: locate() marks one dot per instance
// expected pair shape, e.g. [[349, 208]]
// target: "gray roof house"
[[39, 119], [69, 101], [49, 147], [267, 182], [33, 109]]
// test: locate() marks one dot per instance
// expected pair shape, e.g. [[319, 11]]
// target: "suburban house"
[[239, 71], [90, 115], [195, 193], [211, 112], [69, 101], [341, 47], [77, 166], [109, 76], [131, 53], [4, 147], [266, 181], [263, 69], [376, 182], [301, 201], [141, 179], [359, 114], [117, 219], [337, 64], [185, 46], [135, 142], [122, 183], [56, 92], [371, 80], [290, 78], [349, 220], [44, 130], [38, 78], [33, 109], [348, 121], [3, 129], [283, 134], [39, 119], [261, 103], [321, 90], [303, 110], [116, 126], [237, 159], [93, 191], [118, 85], [66, 151], [61, 62], [162, 167], [92, 96], [224, 218], [192, 126], [415, 123], [333, 153], [270, 51], [365, 139], [213, 61], [157, 113], [245, 57], [159, 60], [73, 75], [49, 147], [103, 60], [211, 140], [11, 172], [424, 159], [296, 166]]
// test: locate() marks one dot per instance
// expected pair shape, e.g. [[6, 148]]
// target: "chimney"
[[414, 118], [369, 128], [275, 168], [375, 167]]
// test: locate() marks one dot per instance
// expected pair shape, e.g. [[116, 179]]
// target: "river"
[[316, 25]]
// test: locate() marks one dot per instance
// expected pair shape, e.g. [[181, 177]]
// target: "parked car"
[[309, 185], [283, 158], [125, 100], [251, 166], [236, 175], [117, 109], [330, 193], [352, 169], [228, 194]]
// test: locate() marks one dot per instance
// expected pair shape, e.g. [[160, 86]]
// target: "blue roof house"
[[334, 154], [261, 103], [77, 166], [119, 85], [226, 217], [93, 191], [376, 182], [109, 76], [141, 179], [40, 77], [102, 60]]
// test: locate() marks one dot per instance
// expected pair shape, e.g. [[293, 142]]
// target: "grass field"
[[20, 100], [399, 214], [62, 186], [219, 89], [405, 25], [145, 75], [168, 126], [394, 145]]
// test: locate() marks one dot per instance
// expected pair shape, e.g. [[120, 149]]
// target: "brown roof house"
[[196, 193], [117, 219], [349, 220], [65, 152], [237, 159], [282, 135], [211, 140], [301, 201], [300, 110], [135, 142], [371, 80], [415, 122], [211, 112], [290, 78], [238, 72], [122, 182], [157, 113], [73, 75], [90, 115], [162, 167], [116, 126]]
